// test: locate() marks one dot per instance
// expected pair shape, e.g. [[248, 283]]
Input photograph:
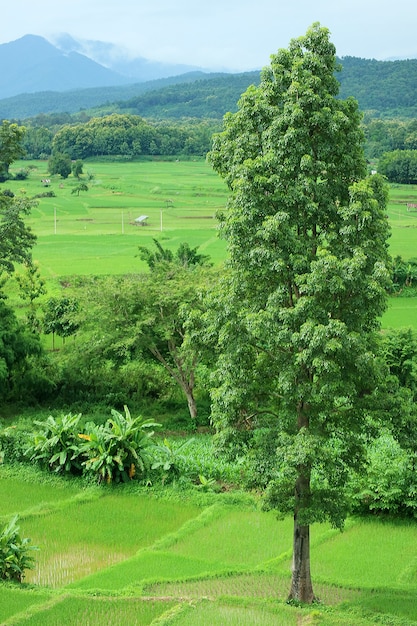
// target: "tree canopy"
[[11, 148], [298, 315]]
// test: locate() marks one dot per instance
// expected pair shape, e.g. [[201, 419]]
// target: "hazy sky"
[[214, 34]]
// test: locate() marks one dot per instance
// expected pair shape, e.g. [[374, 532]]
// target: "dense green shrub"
[[13, 443], [22, 174], [15, 552], [56, 444], [399, 166], [120, 449], [388, 483]]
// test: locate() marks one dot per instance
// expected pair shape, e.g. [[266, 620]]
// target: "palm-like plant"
[[119, 449], [56, 443], [15, 552]]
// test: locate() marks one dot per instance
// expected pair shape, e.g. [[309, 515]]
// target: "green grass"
[[121, 556], [403, 221], [95, 232], [369, 554], [401, 312], [102, 532], [15, 600], [75, 611]]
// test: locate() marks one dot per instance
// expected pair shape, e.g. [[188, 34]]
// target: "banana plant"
[[119, 449], [56, 443], [15, 552]]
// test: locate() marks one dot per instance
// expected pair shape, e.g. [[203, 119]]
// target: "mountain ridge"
[[33, 64], [382, 88]]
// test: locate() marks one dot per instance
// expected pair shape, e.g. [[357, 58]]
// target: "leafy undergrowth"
[[132, 555]]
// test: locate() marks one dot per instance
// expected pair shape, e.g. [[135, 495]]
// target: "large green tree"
[[16, 238], [307, 239], [11, 137], [17, 341]]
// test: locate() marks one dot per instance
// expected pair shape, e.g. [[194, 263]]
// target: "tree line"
[[116, 134], [81, 137]]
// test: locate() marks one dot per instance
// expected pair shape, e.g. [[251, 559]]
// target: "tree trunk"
[[301, 585], [192, 406]]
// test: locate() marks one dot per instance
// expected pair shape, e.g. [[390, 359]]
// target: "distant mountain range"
[[32, 64], [39, 77]]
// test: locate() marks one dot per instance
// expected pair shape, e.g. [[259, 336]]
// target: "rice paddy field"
[[96, 232], [124, 557]]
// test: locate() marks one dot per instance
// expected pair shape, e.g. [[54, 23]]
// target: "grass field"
[[122, 557], [403, 220], [95, 231]]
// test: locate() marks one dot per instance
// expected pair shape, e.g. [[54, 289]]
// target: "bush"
[[15, 553], [13, 444], [56, 444], [22, 174], [120, 449], [45, 194], [389, 482]]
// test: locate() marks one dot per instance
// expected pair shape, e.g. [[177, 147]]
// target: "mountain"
[[120, 60], [386, 89], [28, 105], [31, 64]]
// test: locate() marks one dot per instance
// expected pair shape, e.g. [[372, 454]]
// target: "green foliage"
[[307, 272], [79, 188], [60, 163], [160, 258], [131, 136], [16, 238], [15, 552], [388, 483], [56, 444], [297, 317], [77, 168], [31, 287], [11, 149], [170, 459], [400, 351], [19, 348], [61, 316], [399, 166], [404, 273], [146, 316], [120, 449]]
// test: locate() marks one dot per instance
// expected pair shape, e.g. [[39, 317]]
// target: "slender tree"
[[307, 239]]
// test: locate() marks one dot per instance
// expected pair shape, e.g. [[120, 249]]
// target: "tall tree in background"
[[307, 238], [16, 238], [11, 137], [17, 341]]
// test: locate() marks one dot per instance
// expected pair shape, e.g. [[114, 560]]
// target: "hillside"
[[74, 100], [386, 89]]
